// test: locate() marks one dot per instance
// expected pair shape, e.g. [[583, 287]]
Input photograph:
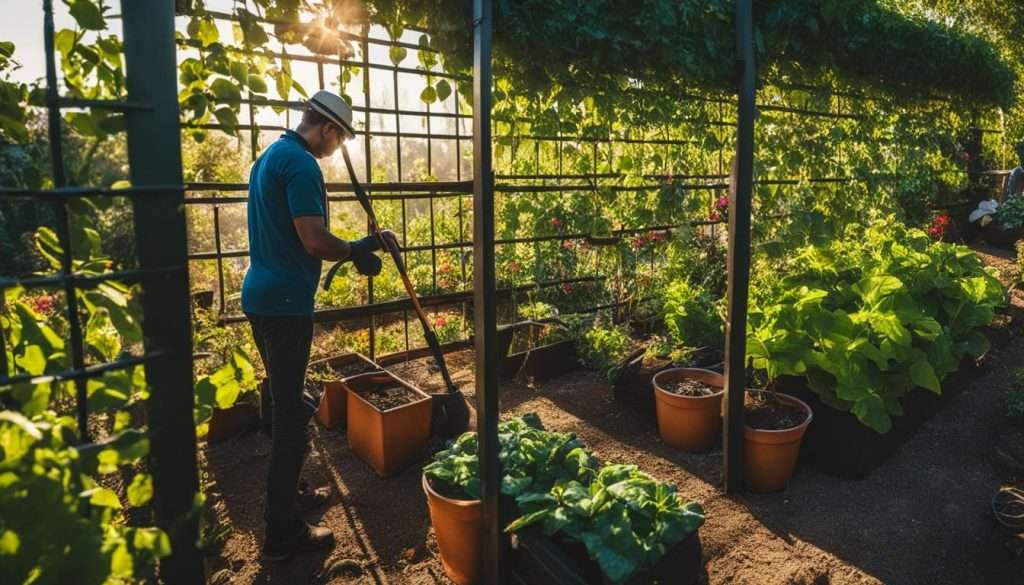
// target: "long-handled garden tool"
[[451, 414]]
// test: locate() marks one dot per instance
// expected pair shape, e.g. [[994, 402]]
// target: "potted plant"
[[328, 380], [689, 407], [1007, 225], [452, 485], [774, 429], [388, 420]]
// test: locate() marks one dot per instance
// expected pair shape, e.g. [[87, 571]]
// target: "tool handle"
[[396, 255]]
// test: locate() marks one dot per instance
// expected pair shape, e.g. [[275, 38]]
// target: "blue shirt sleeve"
[[304, 188]]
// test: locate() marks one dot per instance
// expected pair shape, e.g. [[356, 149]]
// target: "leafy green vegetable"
[[599, 346], [1010, 214], [869, 317], [691, 316], [532, 459], [626, 519]]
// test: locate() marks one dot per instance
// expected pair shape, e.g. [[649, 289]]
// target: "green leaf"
[[140, 491], [428, 95], [922, 374], [227, 118], [443, 89], [103, 497], [207, 32], [257, 84], [397, 54], [226, 90], [87, 15]]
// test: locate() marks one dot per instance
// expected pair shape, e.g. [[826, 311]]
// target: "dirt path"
[[922, 518]]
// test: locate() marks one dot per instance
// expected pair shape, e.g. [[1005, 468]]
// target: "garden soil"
[[922, 518]]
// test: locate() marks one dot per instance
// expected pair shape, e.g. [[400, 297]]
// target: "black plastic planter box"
[[539, 560], [540, 363], [838, 444]]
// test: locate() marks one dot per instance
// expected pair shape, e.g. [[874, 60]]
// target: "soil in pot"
[[388, 397], [689, 387], [772, 415], [774, 429]]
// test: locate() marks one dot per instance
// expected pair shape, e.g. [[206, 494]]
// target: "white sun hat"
[[334, 109]]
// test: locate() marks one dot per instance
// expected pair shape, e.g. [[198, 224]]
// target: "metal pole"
[[739, 251], [484, 297], [154, 156]]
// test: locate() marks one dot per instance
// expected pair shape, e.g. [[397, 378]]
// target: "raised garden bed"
[[838, 444], [1001, 238], [388, 421], [539, 352], [538, 560], [230, 422]]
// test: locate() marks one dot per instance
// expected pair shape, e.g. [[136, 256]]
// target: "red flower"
[[440, 322], [715, 215], [556, 222], [568, 244], [723, 203], [513, 266], [638, 242], [445, 268], [566, 288], [43, 304]]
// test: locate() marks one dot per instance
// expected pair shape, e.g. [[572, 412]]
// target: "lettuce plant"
[[626, 519], [868, 318]]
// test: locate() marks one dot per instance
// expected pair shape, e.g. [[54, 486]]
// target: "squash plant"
[[869, 317]]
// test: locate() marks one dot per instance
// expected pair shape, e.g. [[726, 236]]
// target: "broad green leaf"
[[923, 375], [257, 84], [428, 95], [102, 497], [87, 14], [443, 89], [397, 54], [140, 491]]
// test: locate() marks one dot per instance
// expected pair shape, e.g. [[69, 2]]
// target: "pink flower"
[[638, 242], [723, 202], [568, 244], [42, 304], [513, 266], [715, 215], [445, 268]]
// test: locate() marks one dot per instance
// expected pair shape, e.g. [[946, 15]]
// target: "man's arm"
[[318, 241]]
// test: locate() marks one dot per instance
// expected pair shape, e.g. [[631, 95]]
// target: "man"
[[288, 239]]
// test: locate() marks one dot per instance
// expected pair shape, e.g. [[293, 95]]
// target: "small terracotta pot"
[[689, 423], [769, 457], [334, 402], [388, 440], [231, 422], [457, 526]]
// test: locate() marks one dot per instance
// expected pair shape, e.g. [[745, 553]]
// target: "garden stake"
[[451, 414]]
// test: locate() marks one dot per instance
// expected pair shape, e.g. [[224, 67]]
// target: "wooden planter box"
[[540, 363], [230, 422], [334, 397], [539, 560], [388, 440], [838, 444]]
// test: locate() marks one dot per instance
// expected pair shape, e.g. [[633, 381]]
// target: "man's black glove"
[[363, 257]]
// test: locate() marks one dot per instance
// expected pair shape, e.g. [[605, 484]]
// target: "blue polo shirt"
[[285, 183]]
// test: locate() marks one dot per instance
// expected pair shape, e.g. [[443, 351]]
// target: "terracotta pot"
[[457, 526], [689, 423], [334, 401], [388, 440], [769, 457]]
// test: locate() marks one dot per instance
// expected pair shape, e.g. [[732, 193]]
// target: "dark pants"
[[284, 343]]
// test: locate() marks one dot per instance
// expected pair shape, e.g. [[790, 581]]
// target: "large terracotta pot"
[[457, 526], [769, 457], [388, 440], [690, 423]]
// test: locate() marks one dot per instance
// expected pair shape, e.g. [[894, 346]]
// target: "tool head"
[[451, 414]]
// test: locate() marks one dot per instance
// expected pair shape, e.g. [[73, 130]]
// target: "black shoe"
[[307, 538], [309, 498]]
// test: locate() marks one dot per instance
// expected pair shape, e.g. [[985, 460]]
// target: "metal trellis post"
[[484, 297], [154, 156], [739, 251]]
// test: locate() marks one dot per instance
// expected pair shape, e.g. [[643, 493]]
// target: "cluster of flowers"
[[649, 238], [43, 304], [939, 226], [720, 210]]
